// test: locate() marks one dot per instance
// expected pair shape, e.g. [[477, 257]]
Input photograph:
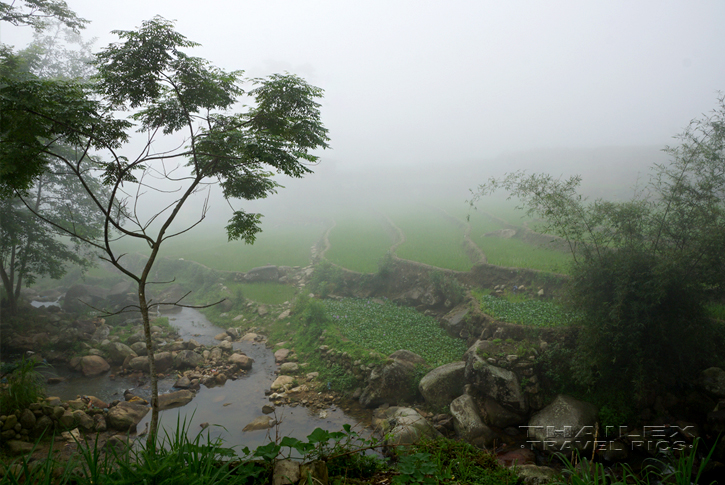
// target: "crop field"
[[287, 245], [387, 327], [358, 241], [531, 312], [431, 238], [518, 254]]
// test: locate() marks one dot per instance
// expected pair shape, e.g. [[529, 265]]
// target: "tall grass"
[[22, 385]]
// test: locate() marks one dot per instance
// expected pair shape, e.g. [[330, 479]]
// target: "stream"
[[226, 408]]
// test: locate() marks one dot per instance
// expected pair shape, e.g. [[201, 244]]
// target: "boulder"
[[443, 384], [713, 381], [140, 363], [263, 273], [225, 345], [249, 337], [404, 425], [536, 475], [175, 399], [99, 423], [241, 361], [499, 383], [407, 356], [454, 322], [289, 368], [27, 419], [118, 352], [78, 297], [282, 382], [215, 354], [493, 414], [126, 415], [17, 447], [286, 472], [186, 359], [93, 365], [564, 424], [183, 383], [84, 421], [468, 423], [281, 355], [262, 422], [139, 348], [233, 332], [392, 384]]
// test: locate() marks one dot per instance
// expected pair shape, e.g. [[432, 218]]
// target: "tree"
[[167, 93], [642, 268], [37, 13], [29, 247]]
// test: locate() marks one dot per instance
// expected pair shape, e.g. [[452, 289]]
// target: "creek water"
[[228, 408]]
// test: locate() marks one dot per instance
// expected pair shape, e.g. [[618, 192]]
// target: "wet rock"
[[220, 336], [192, 344], [67, 420], [84, 421], [175, 399], [493, 414], [249, 337], [215, 354], [500, 384], [391, 384], [187, 359], [240, 360], [443, 384], [99, 423], [125, 415], [226, 346], [262, 422], [267, 409], [404, 425], [93, 365], [233, 332], [183, 383], [27, 419], [139, 348], [42, 424], [282, 382]]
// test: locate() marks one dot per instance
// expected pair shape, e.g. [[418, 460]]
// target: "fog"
[[428, 99]]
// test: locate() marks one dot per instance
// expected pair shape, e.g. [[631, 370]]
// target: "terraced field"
[[358, 241]]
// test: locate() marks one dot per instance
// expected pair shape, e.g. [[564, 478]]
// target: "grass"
[[431, 238], [22, 385], [386, 327], [515, 253], [358, 241], [525, 311]]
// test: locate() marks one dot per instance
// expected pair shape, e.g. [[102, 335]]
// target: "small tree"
[[642, 268], [167, 92]]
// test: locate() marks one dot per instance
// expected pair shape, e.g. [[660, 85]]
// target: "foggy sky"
[[422, 81]]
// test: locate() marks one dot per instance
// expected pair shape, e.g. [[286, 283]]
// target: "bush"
[[644, 323], [24, 385]]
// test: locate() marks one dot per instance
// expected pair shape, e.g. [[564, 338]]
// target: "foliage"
[[642, 267], [326, 279], [448, 286], [37, 13], [386, 327], [534, 312], [22, 385]]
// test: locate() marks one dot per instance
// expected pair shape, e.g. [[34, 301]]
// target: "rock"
[[286, 472], [263, 273], [713, 381], [282, 382], [314, 375], [226, 346], [499, 383], [238, 318], [262, 310], [540, 292], [407, 356], [443, 384], [267, 409], [27, 419], [164, 361], [183, 383], [186, 359], [67, 420], [280, 356], [10, 422], [93, 365], [315, 472], [493, 414], [241, 361], [454, 321], [249, 337], [468, 423], [262, 422], [175, 399], [135, 338], [215, 354], [192, 344], [392, 384], [220, 336], [125, 415], [283, 315], [404, 425], [78, 297], [99, 423], [42, 424], [536, 475], [564, 423], [289, 368], [139, 348], [84, 421], [16, 447], [118, 352], [139, 363], [516, 457], [614, 452]]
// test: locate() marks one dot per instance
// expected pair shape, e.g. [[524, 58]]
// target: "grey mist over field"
[[426, 100]]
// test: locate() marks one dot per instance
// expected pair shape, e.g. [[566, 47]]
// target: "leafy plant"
[[24, 385]]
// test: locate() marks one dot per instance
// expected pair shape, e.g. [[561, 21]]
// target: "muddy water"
[[227, 408]]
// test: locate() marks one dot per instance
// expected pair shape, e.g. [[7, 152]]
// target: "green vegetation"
[[526, 311], [358, 241], [385, 327], [22, 385], [519, 254], [432, 238]]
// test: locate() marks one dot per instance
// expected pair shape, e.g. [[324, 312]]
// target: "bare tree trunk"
[[153, 428]]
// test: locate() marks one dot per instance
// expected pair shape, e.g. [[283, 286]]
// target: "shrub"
[[24, 385]]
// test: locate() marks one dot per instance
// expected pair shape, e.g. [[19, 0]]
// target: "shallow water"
[[226, 408]]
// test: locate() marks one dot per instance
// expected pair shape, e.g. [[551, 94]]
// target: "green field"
[[526, 311], [386, 327], [287, 245], [358, 241], [431, 238]]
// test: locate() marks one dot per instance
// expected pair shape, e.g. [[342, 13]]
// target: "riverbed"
[[226, 409]]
